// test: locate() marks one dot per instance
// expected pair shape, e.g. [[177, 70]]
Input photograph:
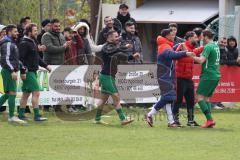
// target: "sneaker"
[[221, 105], [24, 118], [178, 124], [39, 118], [192, 124], [126, 121], [15, 119], [208, 124], [173, 125], [149, 120], [217, 107], [100, 122]]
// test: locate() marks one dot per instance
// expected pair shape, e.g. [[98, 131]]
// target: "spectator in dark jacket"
[[23, 22], [222, 43], [55, 43], [46, 26], [124, 15], [174, 28], [230, 55], [130, 37]]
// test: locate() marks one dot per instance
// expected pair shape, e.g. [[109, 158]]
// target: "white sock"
[[168, 108], [152, 112]]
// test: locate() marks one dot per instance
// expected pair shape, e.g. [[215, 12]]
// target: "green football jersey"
[[210, 68]]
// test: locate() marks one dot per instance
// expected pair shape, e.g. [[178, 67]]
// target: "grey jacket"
[[54, 55], [134, 40]]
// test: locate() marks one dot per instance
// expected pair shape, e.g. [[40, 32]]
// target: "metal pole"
[[50, 6], [41, 10], [98, 20]]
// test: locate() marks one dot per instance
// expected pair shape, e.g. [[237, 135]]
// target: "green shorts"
[[31, 83], [107, 83], [207, 87], [8, 83]]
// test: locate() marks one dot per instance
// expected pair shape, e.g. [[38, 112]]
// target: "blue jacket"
[[166, 68]]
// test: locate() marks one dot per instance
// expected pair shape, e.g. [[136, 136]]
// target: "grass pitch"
[[82, 140]]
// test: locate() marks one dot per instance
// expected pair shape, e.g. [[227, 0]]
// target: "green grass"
[[82, 140]]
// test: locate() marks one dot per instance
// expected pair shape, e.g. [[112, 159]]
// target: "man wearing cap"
[[124, 15], [46, 26]]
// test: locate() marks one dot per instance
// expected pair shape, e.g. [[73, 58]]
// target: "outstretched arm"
[[169, 54], [200, 59]]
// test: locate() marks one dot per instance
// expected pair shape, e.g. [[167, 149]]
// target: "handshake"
[[191, 54]]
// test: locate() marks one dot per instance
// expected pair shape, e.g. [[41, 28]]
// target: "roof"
[[179, 11]]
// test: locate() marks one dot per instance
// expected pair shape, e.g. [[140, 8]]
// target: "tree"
[[94, 7]]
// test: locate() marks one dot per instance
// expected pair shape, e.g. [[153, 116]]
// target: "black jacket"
[[112, 55], [102, 37], [10, 55], [39, 37], [29, 55], [124, 19], [20, 33], [229, 55]]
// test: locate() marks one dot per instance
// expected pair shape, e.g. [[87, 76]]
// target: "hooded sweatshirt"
[[93, 47]]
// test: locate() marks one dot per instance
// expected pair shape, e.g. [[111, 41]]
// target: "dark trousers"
[[185, 88]]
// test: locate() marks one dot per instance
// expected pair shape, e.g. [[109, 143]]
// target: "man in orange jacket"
[[166, 75]]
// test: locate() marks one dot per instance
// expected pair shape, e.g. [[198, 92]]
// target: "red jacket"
[[72, 52], [184, 66]]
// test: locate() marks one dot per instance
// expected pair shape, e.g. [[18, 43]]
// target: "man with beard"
[[29, 55], [85, 52], [166, 76], [184, 74], [130, 37], [124, 15], [102, 37], [10, 66], [112, 54], [209, 77], [55, 44]]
